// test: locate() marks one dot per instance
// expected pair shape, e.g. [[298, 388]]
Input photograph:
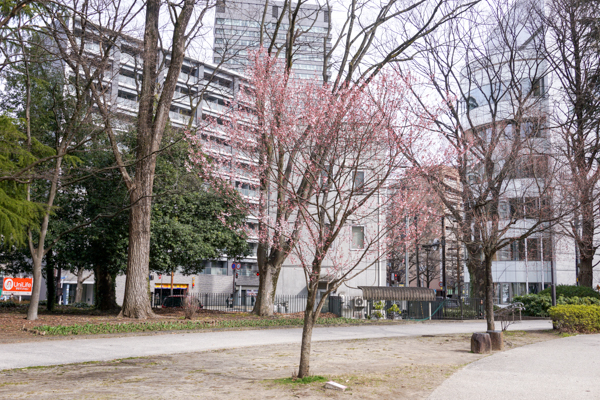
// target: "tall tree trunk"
[[310, 316], [586, 245], [106, 298], [136, 303], [489, 293], [152, 119], [50, 282], [267, 286]]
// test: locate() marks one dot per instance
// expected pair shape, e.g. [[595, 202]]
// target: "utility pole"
[[417, 253], [443, 256], [458, 268], [407, 281]]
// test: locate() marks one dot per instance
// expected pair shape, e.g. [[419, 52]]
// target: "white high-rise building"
[[507, 100], [238, 26]]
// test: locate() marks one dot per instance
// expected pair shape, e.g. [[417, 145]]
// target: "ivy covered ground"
[[67, 321]]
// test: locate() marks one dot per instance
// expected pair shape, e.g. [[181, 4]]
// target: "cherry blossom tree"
[[321, 163]]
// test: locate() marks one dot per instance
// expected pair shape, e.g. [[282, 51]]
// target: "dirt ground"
[[393, 368]]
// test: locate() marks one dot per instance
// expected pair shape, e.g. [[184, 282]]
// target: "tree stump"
[[481, 343], [497, 338]]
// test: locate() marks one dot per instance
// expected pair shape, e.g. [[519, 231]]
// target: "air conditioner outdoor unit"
[[359, 302]]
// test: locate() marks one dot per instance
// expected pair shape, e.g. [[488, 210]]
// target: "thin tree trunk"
[[309, 323], [80, 280], [50, 282], [37, 256], [489, 294]]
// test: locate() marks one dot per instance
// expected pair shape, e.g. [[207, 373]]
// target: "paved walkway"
[[567, 368], [56, 352]]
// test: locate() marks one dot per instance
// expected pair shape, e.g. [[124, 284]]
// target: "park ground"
[[389, 368], [15, 328]]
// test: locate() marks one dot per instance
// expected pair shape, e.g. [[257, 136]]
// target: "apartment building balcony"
[[129, 105], [179, 118], [187, 78], [129, 82]]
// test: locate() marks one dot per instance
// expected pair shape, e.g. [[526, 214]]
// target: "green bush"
[[572, 291], [81, 305], [537, 305], [576, 318], [379, 305], [8, 304], [394, 309]]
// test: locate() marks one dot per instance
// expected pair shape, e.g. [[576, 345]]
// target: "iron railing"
[[345, 306]]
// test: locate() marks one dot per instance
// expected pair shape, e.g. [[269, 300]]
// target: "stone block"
[[481, 343], [497, 338]]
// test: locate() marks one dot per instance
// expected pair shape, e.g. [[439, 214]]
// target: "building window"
[[324, 177], [517, 250], [326, 16], [221, 6], [471, 103], [537, 87], [547, 249], [504, 254], [358, 237], [128, 96], [275, 11], [533, 249], [359, 182]]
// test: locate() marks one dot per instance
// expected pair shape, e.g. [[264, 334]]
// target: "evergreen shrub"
[[537, 305], [576, 318], [572, 291]]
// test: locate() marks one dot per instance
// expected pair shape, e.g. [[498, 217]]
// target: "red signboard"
[[17, 286]]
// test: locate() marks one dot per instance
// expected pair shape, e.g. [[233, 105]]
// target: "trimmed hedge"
[[537, 305], [572, 291], [576, 318]]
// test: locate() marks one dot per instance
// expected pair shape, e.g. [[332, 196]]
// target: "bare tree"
[[489, 77], [572, 51]]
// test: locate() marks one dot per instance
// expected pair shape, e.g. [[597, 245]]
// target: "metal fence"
[[283, 304], [468, 308], [350, 307]]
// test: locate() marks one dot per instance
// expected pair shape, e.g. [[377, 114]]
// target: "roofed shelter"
[[397, 293]]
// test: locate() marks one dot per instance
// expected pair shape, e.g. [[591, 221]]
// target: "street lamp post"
[[429, 247]]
